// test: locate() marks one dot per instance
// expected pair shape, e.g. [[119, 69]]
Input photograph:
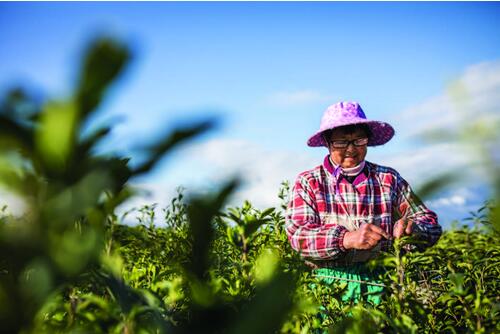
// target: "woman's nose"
[[350, 147]]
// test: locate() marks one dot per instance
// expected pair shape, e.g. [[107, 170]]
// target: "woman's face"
[[352, 155]]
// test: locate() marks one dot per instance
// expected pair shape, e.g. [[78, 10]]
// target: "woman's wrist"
[[346, 242]]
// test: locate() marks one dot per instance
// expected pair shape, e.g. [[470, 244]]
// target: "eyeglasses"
[[345, 143]]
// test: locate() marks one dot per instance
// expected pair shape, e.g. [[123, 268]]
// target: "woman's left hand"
[[402, 227]]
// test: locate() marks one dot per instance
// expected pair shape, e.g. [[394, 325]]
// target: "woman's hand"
[[402, 227], [366, 237]]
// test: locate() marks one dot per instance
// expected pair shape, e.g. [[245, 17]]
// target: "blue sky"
[[268, 70]]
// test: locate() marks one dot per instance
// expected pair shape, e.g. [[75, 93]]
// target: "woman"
[[345, 211]]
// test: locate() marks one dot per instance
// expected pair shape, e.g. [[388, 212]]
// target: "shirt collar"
[[358, 180], [327, 163]]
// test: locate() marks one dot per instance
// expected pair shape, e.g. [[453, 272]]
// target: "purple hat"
[[349, 113]]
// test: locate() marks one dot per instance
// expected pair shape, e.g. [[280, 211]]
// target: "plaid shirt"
[[321, 211]]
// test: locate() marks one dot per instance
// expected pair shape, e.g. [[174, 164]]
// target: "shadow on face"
[[352, 155]]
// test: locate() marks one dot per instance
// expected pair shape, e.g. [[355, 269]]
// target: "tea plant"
[[451, 287]]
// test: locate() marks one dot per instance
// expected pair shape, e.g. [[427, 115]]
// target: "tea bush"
[[451, 287]]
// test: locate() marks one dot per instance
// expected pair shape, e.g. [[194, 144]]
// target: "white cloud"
[[15, 204], [472, 96], [261, 170], [299, 97], [421, 163], [454, 200]]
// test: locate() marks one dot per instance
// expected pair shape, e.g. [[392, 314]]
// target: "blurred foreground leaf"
[[71, 193]]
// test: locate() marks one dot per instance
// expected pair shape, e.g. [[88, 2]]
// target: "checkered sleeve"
[[425, 222], [307, 234]]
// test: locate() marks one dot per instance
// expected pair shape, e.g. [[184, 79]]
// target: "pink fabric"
[[348, 171]]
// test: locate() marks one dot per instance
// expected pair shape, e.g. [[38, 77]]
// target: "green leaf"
[[156, 151], [74, 201], [252, 225], [15, 135], [201, 212], [266, 265], [437, 183], [74, 250], [89, 143], [103, 62], [55, 136], [267, 212], [267, 310], [37, 280], [126, 296]]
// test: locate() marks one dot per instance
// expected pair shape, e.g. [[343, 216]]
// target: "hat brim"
[[381, 133]]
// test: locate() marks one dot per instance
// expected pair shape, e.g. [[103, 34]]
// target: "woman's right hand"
[[366, 237]]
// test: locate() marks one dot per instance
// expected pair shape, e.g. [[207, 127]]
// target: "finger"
[[372, 243], [373, 240], [368, 244], [403, 207], [371, 234], [409, 227], [396, 229], [398, 232], [379, 231]]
